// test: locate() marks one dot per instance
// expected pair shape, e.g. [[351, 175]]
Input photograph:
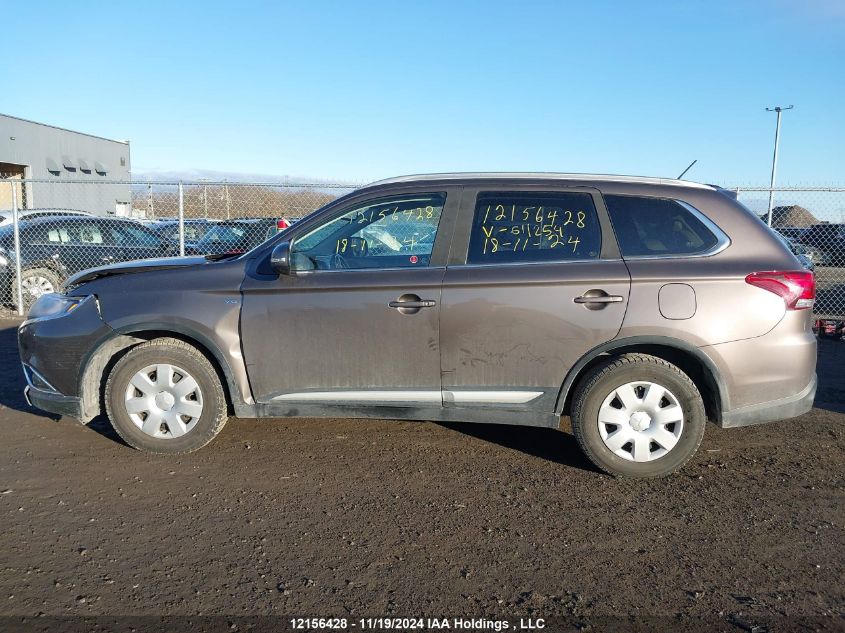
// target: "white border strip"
[[428, 397], [432, 397], [491, 397]]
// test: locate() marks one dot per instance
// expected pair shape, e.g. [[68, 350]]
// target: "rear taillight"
[[282, 224], [797, 288]]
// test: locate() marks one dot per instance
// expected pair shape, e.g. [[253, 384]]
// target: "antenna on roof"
[[687, 169]]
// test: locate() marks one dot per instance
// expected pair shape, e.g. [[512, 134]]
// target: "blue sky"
[[359, 91]]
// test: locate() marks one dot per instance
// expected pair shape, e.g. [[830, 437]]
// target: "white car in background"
[[31, 214]]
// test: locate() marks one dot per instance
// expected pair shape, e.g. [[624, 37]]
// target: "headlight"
[[53, 304]]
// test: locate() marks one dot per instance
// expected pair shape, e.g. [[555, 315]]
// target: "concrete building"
[[63, 169]]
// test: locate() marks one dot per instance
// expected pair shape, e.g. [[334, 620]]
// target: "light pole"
[[777, 109]]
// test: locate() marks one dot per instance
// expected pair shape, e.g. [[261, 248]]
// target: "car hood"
[[137, 266]]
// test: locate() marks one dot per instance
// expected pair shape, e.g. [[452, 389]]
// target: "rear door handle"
[[599, 299], [423, 303]]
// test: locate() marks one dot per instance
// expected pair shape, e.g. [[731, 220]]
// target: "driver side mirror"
[[280, 258]]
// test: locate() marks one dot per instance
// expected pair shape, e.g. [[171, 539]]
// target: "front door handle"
[[411, 304]]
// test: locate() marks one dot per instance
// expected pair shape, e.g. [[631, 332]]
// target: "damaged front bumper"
[[54, 351]]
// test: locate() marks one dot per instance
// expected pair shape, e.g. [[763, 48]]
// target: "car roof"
[[592, 179], [46, 210], [81, 218], [55, 210], [187, 221], [246, 221]]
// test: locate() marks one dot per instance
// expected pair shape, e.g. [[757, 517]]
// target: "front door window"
[[394, 232]]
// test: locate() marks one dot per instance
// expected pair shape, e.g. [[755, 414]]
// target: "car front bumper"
[[54, 351], [53, 402]]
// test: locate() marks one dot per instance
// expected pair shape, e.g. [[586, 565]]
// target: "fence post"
[[181, 220], [226, 194], [16, 230]]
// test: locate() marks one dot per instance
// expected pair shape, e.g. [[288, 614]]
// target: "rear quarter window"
[[655, 227]]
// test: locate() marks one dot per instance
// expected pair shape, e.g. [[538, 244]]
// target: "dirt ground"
[[358, 518]]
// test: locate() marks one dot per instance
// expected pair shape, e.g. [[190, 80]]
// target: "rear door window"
[[655, 227], [72, 233], [514, 227], [49, 235]]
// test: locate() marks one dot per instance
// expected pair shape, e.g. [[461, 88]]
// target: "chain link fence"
[[68, 226], [58, 235], [812, 221]]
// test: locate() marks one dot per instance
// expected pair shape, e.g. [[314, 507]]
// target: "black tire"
[[603, 381], [180, 355], [45, 274]]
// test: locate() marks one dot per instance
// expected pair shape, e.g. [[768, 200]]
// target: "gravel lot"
[[359, 518]]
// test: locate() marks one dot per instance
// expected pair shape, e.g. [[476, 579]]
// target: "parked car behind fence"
[[830, 238], [31, 214], [236, 236], [194, 230], [53, 248]]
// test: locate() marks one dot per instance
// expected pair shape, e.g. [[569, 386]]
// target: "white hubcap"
[[641, 421], [36, 286], [163, 400]]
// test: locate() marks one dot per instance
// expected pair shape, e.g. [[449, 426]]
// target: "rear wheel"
[[638, 416], [164, 396]]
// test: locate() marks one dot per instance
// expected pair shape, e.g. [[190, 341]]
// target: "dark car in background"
[[808, 256], [52, 248], [818, 256], [830, 238], [236, 236], [32, 214], [794, 233], [195, 230]]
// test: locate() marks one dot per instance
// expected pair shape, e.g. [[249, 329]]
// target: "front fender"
[[230, 365]]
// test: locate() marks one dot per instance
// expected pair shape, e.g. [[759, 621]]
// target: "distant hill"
[[199, 175], [791, 215]]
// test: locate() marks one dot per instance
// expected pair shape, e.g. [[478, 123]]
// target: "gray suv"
[[639, 307]]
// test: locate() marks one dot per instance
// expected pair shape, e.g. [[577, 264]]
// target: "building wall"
[[41, 148]]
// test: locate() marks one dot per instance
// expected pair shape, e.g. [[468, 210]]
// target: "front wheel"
[[164, 396], [638, 416]]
